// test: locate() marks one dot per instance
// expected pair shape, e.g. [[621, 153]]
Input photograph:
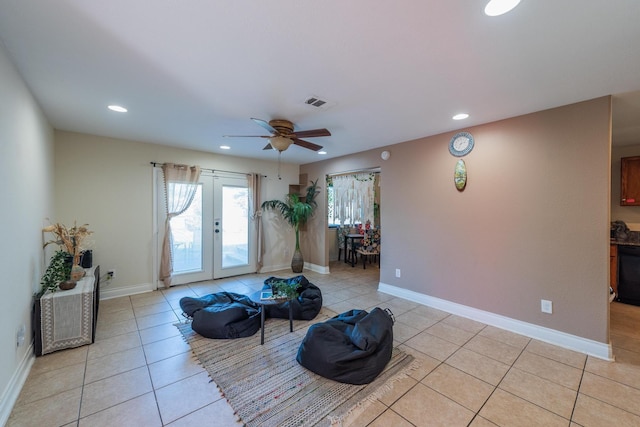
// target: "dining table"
[[353, 237]]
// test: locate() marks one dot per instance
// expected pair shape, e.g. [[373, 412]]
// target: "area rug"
[[266, 386]]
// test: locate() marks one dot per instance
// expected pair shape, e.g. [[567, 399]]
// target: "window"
[[351, 199]]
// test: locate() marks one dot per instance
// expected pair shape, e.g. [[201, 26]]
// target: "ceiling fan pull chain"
[[279, 155]]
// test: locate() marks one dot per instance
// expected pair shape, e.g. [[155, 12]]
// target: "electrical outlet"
[[397, 272], [111, 274], [546, 306], [22, 330]]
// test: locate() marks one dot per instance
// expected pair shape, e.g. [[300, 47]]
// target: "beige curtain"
[[180, 185], [255, 188]]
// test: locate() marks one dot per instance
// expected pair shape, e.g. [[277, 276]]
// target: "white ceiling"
[[190, 71]]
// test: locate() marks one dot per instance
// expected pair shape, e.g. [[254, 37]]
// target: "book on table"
[[267, 295]]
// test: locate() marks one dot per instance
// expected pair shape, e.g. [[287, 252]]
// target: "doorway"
[[213, 238], [353, 199]]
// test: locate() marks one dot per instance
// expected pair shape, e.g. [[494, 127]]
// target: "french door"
[[234, 237], [215, 236]]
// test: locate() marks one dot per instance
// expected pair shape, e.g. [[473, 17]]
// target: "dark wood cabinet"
[[630, 181], [613, 268]]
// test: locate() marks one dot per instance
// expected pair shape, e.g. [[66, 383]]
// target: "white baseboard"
[[123, 291], [316, 268], [11, 393], [307, 265], [272, 268], [551, 336]]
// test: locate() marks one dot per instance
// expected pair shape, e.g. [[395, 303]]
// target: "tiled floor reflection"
[[140, 372]]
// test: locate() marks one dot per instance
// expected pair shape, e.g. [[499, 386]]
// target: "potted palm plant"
[[296, 211]]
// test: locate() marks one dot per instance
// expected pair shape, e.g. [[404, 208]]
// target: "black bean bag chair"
[[305, 307], [353, 347], [222, 315]]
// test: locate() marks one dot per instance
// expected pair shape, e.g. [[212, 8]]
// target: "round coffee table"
[[255, 297]]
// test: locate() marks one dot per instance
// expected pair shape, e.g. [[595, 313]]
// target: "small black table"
[[255, 297], [352, 237]]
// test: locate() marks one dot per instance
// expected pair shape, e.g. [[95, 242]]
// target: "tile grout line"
[[476, 413], [575, 402], [498, 385], [153, 387], [84, 379]]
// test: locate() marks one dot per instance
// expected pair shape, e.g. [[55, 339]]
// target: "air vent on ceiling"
[[317, 102]]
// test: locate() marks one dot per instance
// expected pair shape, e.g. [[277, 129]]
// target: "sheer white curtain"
[[180, 185], [342, 198], [354, 197]]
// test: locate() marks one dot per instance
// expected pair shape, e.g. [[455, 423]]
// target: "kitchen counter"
[[624, 237], [628, 242]]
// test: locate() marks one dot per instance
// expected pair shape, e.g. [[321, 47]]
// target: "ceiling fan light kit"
[[280, 143], [283, 135]]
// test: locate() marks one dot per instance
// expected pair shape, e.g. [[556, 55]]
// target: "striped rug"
[[267, 387]]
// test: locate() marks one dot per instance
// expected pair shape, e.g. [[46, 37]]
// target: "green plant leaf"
[[295, 211], [59, 269]]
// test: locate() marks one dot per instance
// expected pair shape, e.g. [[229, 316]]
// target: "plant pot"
[[67, 284], [297, 262], [77, 273]]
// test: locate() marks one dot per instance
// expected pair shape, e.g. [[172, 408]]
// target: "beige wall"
[[532, 223], [26, 171], [108, 184]]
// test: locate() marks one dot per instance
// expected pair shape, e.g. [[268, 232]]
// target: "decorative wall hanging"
[[354, 197], [460, 175]]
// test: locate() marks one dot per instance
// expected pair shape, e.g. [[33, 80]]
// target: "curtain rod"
[[156, 164], [353, 172]]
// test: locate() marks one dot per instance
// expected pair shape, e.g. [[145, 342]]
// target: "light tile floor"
[[140, 372]]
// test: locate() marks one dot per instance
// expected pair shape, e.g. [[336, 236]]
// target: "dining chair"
[[370, 247]]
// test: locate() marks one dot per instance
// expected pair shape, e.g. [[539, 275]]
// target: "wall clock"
[[461, 144]]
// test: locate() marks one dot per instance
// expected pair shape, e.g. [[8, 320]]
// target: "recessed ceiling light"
[[460, 116], [499, 7], [225, 147], [117, 108], [322, 152]]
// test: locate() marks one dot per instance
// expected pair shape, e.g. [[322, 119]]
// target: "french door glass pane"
[[186, 231], [235, 226]]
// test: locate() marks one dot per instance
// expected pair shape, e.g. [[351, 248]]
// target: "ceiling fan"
[[283, 135]]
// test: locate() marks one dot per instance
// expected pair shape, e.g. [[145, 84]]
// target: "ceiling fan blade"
[[307, 144], [268, 147], [264, 124], [246, 136], [312, 133]]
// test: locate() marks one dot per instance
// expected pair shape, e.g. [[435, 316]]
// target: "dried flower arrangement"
[[72, 240], [64, 263]]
